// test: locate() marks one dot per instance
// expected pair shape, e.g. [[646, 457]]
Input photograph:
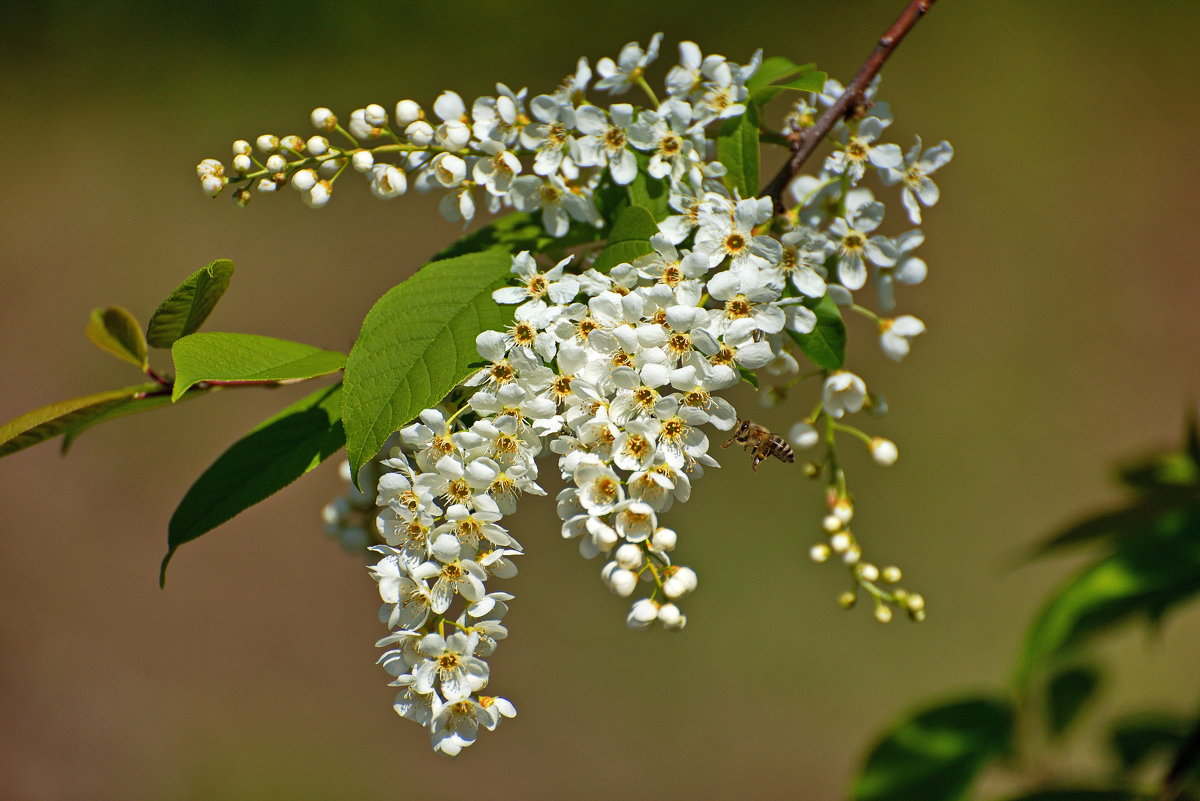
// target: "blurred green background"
[[1061, 307]]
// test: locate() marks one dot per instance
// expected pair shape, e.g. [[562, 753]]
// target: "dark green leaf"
[[417, 343], [1067, 692], [1164, 472], [1144, 577], [825, 345], [247, 357], [189, 304], [652, 194], [1139, 737], [775, 68], [1118, 523], [134, 405], [737, 149], [936, 754], [516, 232], [629, 238], [50, 421], [118, 332], [266, 460], [1191, 438]]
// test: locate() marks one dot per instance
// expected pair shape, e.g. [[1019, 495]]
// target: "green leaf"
[[825, 345], [1067, 692], [737, 149], [247, 357], [417, 343], [1145, 576], [1162, 472], [516, 232], [775, 68], [936, 754], [134, 405], [629, 238], [1141, 736], [50, 421], [189, 304], [266, 460], [809, 82], [652, 194], [1125, 522], [118, 332]]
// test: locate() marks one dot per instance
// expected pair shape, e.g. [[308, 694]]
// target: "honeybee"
[[761, 442]]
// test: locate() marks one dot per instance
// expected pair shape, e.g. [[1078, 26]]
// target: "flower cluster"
[[617, 370]]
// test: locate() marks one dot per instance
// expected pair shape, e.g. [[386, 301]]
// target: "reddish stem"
[[803, 143]]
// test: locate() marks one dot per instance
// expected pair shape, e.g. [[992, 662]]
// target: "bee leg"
[[729, 441], [760, 453]]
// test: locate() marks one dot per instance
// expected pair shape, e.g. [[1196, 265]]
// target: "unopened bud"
[[317, 145], [831, 524], [819, 553], [641, 614], [629, 556], [868, 572], [242, 197], [304, 180], [362, 160], [883, 614], [292, 142], [840, 542], [892, 574], [319, 195], [241, 147], [212, 184], [847, 600], [884, 451], [671, 618], [323, 119], [664, 539], [267, 143], [375, 115], [843, 510], [408, 112], [242, 164], [420, 133]]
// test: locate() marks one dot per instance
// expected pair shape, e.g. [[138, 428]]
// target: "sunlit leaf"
[[189, 304], [737, 149], [42, 424], [266, 460], [118, 332], [134, 405], [936, 754], [417, 343], [515, 232], [247, 357], [773, 69]]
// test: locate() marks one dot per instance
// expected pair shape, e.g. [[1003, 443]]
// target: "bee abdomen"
[[781, 450]]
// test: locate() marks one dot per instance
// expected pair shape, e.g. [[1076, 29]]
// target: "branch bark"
[[803, 143]]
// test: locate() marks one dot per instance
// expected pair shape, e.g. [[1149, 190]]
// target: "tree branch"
[[803, 143]]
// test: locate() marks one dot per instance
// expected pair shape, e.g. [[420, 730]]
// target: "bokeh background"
[[1061, 307]]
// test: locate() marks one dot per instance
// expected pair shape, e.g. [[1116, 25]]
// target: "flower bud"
[[868, 572], [241, 147], [843, 510], [209, 167], [629, 556], [267, 185], [803, 435], [375, 115], [276, 163], [362, 160], [664, 539], [915, 602], [852, 555], [420, 133], [304, 180], [317, 145], [891, 574], [448, 169], [267, 143], [840, 542], [242, 164], [323, 119], [388, 181], [292, 142], [330, 167], [408, 112], [359, 127], [671, 618], [831, 523], [621, 581], [884, 451], [453, 135], [242, 197], [212, 184], [819, 553], [319, 195], [847, 600], [883, 613], [641, 614]]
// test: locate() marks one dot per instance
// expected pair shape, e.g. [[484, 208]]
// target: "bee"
[[761, 442]]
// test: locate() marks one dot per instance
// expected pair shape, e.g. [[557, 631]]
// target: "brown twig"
[[803, 143]]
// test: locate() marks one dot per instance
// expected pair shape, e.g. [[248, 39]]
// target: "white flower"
[[850, 236], [860, 151], [553, 283], [450, 666], [605, 138], [803, 435], [919, 190], [843, 392], [387, 181], [617, 77], [722, 234], [909, 269], [894, 335], [496, 173]]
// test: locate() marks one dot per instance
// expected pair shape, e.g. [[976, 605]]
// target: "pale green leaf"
[[737, 149], [247, 357], [118, 332], [50, 421], [825, 345]]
